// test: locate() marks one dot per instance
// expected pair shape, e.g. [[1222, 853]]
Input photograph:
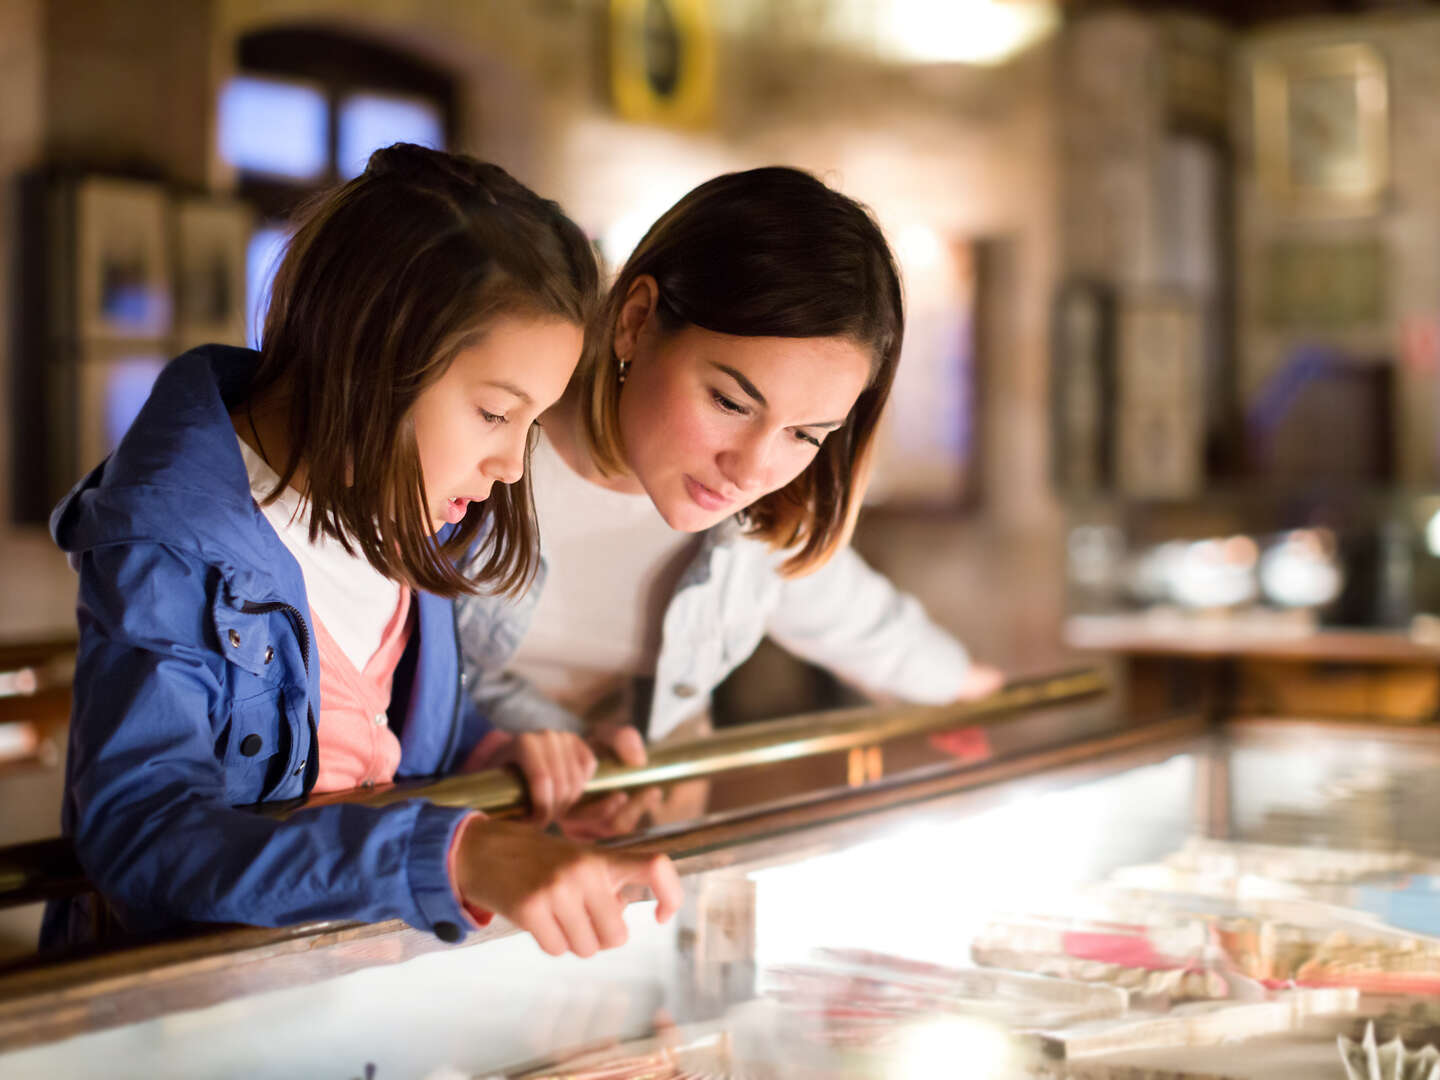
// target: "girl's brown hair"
[[384, 282], [771, 252]]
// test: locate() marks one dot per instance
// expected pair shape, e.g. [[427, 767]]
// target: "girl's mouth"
[[455, 509]]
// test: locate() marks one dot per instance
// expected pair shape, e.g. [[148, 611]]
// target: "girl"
[[747, 350], [267, 572]]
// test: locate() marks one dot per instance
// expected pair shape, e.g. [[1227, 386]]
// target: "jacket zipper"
[[449, 763], [296, 618], [298, 621]]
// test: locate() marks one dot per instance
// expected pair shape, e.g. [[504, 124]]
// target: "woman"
[[697, 484]]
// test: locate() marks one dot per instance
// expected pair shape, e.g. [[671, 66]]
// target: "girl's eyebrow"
[[510, 388], [749, 388]]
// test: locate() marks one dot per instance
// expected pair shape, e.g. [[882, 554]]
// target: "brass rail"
[[47, 869]]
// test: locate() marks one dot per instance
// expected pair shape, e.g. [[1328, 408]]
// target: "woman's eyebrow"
[[510, 388], [749, 388], [745, 384]]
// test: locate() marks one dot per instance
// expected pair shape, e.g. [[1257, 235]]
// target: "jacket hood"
[[177, 477]]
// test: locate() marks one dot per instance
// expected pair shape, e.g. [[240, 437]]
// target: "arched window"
[[305, 109]]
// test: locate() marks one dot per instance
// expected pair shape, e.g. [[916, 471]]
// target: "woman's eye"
[[728, 405], [491, 418], [807, 438]]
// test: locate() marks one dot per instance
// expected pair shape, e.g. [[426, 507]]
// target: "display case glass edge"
[[132, 985]]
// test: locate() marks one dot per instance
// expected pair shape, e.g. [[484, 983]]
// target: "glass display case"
[[1059, 893]]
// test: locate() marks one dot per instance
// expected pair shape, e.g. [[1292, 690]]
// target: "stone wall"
[[967, 152], [36, 585]]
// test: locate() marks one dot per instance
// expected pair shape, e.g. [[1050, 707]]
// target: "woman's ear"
[[635, 311]]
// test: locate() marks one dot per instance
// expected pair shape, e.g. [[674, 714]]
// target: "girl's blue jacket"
[[197, 692]]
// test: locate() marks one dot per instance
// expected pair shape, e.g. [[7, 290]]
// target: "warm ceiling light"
[[948, 31]]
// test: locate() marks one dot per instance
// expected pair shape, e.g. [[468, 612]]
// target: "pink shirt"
[[357, 747]]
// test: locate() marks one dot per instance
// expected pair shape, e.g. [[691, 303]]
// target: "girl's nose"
[[506, 466]]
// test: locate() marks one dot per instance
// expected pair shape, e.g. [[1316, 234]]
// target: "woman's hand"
[[570, 897], [620, 812], [621, 740], [617, 814], [556, 766], [980, 681]]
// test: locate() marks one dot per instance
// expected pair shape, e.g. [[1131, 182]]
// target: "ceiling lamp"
[[943, 31]]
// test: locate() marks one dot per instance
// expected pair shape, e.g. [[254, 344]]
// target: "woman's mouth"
[[704, 497]]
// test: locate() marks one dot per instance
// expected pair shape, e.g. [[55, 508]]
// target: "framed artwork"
[[122, 260], [111, 384], [1082, 385], [662, 61], [1322, 127], [1332, 283], [927, 453], [1160, 429], [211, 241]]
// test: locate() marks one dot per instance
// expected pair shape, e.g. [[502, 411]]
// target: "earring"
[[624, 367]]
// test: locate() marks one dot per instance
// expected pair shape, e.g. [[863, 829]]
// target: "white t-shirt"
[[346, 593], [611, 566]]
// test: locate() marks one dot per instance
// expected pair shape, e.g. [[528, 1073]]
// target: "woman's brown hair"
[[384, 282], [771, 252]]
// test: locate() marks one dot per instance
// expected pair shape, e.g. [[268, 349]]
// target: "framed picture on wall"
[[211, 241], [1311, 283], [662, 61], [1322, 127], [111, 384], [122, 260], [930, 441], [1160, 416], [1082, 384]]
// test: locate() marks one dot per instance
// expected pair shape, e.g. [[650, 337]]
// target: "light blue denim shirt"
[[845, 617]]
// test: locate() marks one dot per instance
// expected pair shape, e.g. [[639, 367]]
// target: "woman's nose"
[[747, 465]]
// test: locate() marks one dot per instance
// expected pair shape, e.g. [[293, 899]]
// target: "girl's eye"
[[492, 418], [811, 439], [729, 406]]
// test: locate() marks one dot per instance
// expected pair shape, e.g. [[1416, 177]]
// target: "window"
[[305, 111], [274, 129]]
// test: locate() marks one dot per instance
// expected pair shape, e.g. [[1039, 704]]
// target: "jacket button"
[[234, 639], [250, 745], [447, 932], [683, 690], [269, 653]]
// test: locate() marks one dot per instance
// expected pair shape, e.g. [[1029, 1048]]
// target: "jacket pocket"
[[253, 747]]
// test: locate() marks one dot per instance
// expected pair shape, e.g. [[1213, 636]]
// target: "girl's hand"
[[980, 681], [556, 766], [568, 896]]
